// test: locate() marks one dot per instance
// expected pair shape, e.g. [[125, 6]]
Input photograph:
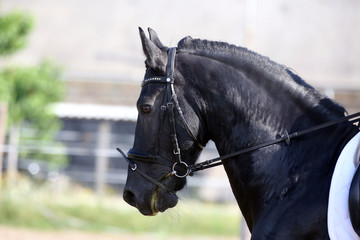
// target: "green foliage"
[[29, 91], [14, 29], [41, 207], [4, 89]]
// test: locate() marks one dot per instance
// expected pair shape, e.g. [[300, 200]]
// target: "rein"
[[171, 102], [285, 138]]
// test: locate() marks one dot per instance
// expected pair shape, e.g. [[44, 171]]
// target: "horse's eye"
[[145, 109]]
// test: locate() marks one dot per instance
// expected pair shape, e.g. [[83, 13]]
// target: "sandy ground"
[[11, 233]]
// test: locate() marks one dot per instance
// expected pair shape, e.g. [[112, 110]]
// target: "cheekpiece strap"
[[170, 66]]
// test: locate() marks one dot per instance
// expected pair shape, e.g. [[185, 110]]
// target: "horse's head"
[[167, 132]]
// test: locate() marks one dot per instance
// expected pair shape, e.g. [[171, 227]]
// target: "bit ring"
[[175, 172]]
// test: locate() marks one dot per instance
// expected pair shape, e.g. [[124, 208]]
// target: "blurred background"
[[70, 74]]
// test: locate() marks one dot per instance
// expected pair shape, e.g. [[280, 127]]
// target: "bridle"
[[170, 104]]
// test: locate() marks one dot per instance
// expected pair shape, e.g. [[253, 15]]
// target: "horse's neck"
[[243, 112], [261, 108], [242, 108]]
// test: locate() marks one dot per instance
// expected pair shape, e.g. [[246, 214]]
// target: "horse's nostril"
[[129, 197]]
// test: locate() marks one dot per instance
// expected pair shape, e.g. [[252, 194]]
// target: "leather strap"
[[287, 137], [134, 168]]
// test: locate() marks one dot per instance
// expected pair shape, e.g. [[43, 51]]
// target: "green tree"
[[14, 29], [28, 91]]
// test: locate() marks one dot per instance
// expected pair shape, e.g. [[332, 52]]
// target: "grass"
[[39, 206]]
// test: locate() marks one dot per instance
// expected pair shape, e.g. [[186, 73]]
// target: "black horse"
[[238, 99]]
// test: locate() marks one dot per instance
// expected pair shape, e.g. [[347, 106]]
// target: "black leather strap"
[[287, 138], [134, 168], [170, 66]]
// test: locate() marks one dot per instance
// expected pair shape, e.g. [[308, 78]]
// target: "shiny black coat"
[[238, 99]]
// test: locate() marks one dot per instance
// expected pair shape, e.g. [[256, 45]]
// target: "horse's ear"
[[155, 39], [155, 57]]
